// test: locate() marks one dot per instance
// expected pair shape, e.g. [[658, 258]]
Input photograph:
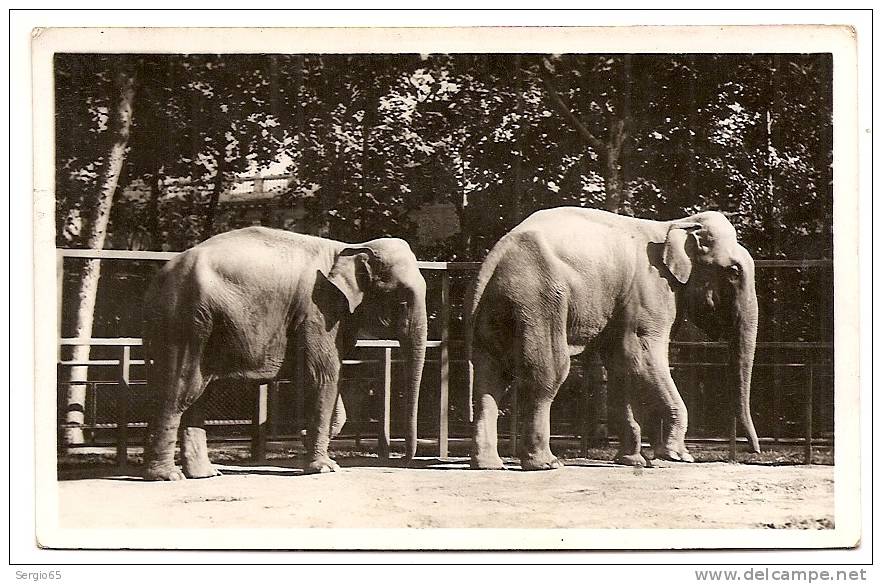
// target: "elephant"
[[239, 305], [571, 279]]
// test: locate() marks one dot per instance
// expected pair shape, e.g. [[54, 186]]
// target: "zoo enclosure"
[[113, 405]]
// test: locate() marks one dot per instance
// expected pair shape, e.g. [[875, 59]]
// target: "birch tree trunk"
[[119, 128]]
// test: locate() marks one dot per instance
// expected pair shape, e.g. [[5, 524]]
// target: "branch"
[[558, 101]]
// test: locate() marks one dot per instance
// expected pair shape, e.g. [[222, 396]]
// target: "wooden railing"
[[124, 362]]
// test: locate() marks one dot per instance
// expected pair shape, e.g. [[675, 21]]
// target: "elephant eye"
[[733, 271]]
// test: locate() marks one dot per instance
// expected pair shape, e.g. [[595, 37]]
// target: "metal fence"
[[116, 396]]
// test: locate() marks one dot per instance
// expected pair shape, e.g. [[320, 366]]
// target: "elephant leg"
[[194, 446], [535, 451], [338, 419], [655, 375], [159, 450], [322, 375], [656, 433], [179, 372], [541, 375], [628, 430], [489, 387], [629, 439], [672, 440]]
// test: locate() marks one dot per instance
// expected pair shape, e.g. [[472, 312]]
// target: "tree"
[[118, 127], [368, 139], [613, 110]]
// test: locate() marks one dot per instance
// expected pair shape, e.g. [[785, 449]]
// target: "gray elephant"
[[570, 279], [239, 305]]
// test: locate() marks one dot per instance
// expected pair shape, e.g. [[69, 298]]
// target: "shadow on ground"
[[291, 466], [280, 466], [286, 459]]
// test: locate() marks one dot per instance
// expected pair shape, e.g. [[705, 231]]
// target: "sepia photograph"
[[415, 291]]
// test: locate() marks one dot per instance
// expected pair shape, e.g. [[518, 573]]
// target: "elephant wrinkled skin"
[[570, 279], [241, 303]]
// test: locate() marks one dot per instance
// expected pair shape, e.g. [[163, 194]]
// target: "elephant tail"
[[471, 303], [150, 326]]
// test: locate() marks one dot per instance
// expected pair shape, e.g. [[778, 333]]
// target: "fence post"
[[808, 417], [733, 435], [471, 383], [273, 406], [122, 407], [586, 418], [258, 425], [596, 372], [513, 421], [776, 409], [444, 399], [383, 439], [59, 287], [661, 431], [300, 391]]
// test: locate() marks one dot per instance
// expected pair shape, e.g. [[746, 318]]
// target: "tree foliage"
[[368, 139]]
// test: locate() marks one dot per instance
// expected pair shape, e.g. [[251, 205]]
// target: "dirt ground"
[[444, 493]]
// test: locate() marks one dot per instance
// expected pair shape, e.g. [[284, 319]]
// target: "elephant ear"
[[675, 255], [351, 274]]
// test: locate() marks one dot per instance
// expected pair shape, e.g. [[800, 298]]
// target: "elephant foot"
[[673, 455], [483, 462], [321, 465], [631, 460], [163, 473], [544, 461], [201, 471], [194, 455]]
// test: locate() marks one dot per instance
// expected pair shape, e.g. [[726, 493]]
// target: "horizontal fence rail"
[[124, 362], [125, 254]]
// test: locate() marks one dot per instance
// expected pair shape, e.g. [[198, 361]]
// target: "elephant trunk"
[[742, 347], [413, 347]]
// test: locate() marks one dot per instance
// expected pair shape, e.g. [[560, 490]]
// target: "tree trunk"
[[613, 182], [153, 212], [514, 210], [298, 129], [120, 125], [367, 122], [619, 134], [275, 102], [216, 190]]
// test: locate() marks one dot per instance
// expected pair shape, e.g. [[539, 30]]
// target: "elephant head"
[[381, 282], [717, 292]]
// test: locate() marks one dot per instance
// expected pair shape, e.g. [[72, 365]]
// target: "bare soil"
[[444, 493]]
